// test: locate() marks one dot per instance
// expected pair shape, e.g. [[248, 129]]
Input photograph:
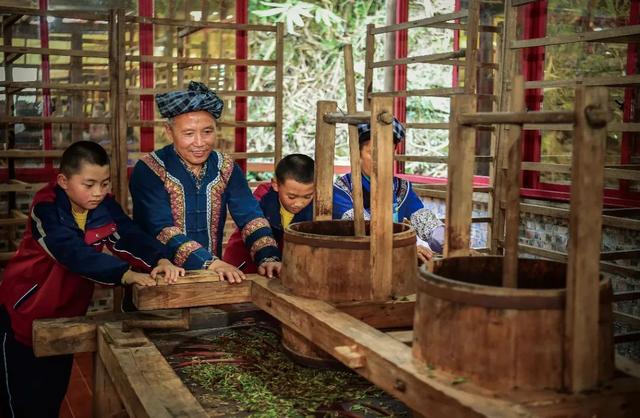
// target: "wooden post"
[[325, 150], [511, 190], [75, 76], [368, 65], [471, 53], [585, 229], [279, 91], [106, 402], [354, 144], [113, 97], [381, 199], [460, 178], [120, 147]]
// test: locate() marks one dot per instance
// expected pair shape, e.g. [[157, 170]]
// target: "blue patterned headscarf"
[[198, 97], [364, 132]]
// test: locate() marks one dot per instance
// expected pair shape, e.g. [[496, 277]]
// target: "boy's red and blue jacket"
[[52, 274], [236, 251]]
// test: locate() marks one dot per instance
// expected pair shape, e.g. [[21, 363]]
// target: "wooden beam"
[[615, 81], [370, 52], [21, 50], [629, 295], [390, 314], [200, 61], [325, 151], [606, 35], [585, 231], [219, 124], [422, 59], [381, 241], [106, 402], [389, 363], [147, 385], [460, 178], [279, 87], [23, 153], [53, 86], [434, 92], [354, 144], [487, 118], [421, 23], [627, 366], [74, 14], [200, 24], [197, 288], [620, 255], [405, 337], [222, 93]]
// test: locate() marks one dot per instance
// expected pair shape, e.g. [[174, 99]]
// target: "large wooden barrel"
[[501, 338], [323, 260]]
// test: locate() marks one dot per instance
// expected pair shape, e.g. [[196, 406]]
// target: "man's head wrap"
[[198, 97], [364, 132]]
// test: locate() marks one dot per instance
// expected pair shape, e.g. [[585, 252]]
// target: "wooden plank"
[[609, 221], [147, 385], [630, 295], [627, 337], [370, 51], [605, 35], [585, 231], [219, 124], [436, 159], [389, 314], [53, 86], [279, 115], [434, 92], [20, 188], [51, 51], [405, 337], [438, 125], [615, 81], [39, 120], [381, 241], [221, 93], [106, 402], [421, 23], [620, 255], [197, 288], [200, 24], [419, 59], [627, 319], [354, 144], [12, 221], [58, 336], [612, 127], [75, 14], [389, 363], [325, 151], [488, 118], [200, 61], [610, 173], [23, 153], [460, 179], [471, 53], [511, 186]]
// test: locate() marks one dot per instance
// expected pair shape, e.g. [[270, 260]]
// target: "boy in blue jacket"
[[53, 272]]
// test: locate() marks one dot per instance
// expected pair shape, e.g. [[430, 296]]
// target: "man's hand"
[[131, 277], [424, 254], [171, 272], [226, 271], [270, 269]]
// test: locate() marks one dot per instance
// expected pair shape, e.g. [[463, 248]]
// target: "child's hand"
[[226, 271], [171, 271], [270, 269], [131, 277]]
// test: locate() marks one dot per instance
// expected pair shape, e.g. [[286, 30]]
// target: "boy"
[[285, 201], [53, 272]]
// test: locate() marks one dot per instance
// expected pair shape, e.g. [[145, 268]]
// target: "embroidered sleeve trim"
[[253, 226], [184, 251], [262, 243], [425, 222], [167, 233]]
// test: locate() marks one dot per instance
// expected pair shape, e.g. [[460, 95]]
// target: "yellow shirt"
[[286, 217], [80, 217]]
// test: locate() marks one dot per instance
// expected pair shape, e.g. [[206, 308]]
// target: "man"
[[181, 192]]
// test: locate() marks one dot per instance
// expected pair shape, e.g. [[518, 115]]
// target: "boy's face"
[[88, 187], [293, 195], [193, 135]]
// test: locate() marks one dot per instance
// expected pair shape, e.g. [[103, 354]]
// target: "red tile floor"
[[77, 403]]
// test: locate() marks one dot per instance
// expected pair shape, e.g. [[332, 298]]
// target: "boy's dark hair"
[[82, 152], [298, 167]]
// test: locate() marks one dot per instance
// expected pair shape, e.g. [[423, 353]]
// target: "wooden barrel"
[[323, 260], [501, 338]]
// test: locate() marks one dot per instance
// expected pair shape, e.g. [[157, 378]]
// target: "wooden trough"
[[462, 307]]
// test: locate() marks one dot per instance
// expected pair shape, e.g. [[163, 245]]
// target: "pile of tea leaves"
[[250, 368]]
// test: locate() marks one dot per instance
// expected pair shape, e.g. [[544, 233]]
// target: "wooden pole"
[[354, 147], [471, 53], [511, 190], [279, 90], [585, 230], [381, 198], [113, 97], [121, 144], [460, 178], [368, 65], [325, 151]]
